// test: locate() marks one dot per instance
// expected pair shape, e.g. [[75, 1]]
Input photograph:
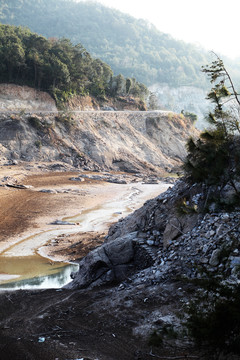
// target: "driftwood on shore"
[[19, 186]]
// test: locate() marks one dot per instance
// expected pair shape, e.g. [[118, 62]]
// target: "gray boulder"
[[214, 260], [111, 262]]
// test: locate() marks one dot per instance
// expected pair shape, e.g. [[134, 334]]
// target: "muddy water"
[[22, 267], [21, 264], [34, 272]]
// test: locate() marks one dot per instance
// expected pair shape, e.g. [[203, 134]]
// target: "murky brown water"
[[33, 272]]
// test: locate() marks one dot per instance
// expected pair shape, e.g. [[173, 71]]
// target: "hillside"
[[132, 47], [164, 282], [126, 141], [62, 69]]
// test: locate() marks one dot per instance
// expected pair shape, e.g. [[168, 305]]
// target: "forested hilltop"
[[58, 67], [134, 48]]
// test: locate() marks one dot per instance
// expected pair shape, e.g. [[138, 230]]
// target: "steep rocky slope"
[[170, 257], [101, 140], [127, 140], [175, 233]]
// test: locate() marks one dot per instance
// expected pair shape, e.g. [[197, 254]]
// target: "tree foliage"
[[214, 157], [58, 66], [132, 47], [215, 320]]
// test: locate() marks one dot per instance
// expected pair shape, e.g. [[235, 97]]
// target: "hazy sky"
[[215, 24]]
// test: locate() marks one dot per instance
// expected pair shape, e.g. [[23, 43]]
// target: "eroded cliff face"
[[125, 141], [23, 98], [31, 129], [16, 98]]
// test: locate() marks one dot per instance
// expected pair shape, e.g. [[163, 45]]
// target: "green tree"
[[56, 66], [37, 48], [152, 102], [130, 46], [128, 85], [11, 52], [222, 118], [214, 157], [119, 85]]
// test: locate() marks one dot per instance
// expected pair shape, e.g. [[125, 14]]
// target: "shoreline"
[[97, 204], [126, 203]]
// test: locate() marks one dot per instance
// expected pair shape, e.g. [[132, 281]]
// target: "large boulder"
[[177, 226], [111, 262]]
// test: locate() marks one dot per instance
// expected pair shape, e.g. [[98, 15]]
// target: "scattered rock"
[[214, 260], [172, 230], [19, 186], [81, 179], [60, 222], [48, 191]]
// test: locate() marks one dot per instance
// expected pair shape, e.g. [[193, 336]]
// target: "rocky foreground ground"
[[131, 295]]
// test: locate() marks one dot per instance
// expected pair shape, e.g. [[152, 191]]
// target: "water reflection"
[[34, 272]]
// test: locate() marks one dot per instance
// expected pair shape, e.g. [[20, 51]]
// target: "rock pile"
[[122, 178], [167, 244], [212, 246]]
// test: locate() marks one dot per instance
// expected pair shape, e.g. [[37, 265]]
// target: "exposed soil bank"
[[132, 142]]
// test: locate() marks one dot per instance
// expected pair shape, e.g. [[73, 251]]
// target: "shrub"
[[38, 144], [217, 325], [66, 118], [35, 122]]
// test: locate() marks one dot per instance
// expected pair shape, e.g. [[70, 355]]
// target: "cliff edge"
[[31, 129]]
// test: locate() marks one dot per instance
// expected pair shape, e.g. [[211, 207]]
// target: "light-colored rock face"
[[129, 141], [125, 141], [23, 98], [187, 98]]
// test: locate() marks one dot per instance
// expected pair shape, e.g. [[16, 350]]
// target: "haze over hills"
[[132, 47], [63, 70]]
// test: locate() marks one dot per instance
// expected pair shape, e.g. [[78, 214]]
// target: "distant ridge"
[[134, 48]]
